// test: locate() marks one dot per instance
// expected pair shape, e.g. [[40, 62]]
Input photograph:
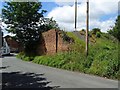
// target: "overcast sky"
[[103, 13]]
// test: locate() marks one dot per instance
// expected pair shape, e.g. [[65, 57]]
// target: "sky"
[[103, 13]]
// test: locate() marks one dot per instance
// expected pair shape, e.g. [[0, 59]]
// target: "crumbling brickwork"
[[49, 38], [47, 44]]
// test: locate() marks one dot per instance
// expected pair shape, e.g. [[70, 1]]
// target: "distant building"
[[14, 45]]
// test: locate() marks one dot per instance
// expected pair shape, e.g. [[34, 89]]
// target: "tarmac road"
[[18, 73]]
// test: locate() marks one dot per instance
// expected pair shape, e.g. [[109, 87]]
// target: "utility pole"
[[1, 39], [1, 34], [75, 15], [0, 42], [87, 28]]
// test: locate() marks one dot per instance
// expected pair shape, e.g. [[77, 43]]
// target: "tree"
[[49, 23], [95, 30], [22, 19], [115, 30]]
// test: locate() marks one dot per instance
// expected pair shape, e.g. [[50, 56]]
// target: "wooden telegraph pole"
[[87, 28], [0, 42], [1, 34], [75, 15]]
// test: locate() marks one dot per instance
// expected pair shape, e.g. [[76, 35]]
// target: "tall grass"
[[102, 59]]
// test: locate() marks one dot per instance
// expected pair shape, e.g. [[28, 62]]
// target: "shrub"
[[88, 62], [26, 58], [95, 30], [21, 55], [66, 38], [98, 34]]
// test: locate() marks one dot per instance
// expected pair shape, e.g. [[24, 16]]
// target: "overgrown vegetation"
[[102, 59], [115, 31], [65, 37], [27, 22], [78, 44]]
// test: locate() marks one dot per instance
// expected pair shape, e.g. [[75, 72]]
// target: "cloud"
[[64, 15], [71, 2], [103, 25]]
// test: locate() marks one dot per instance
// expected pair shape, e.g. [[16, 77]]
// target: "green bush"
[[98, 34], [88, 62], [95, 30], [26, 58], [20, 55]]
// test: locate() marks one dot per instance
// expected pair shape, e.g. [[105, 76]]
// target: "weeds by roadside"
[[102, 59]]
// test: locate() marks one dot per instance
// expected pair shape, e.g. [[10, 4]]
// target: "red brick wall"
[[49, 38], [50, 41], [47, 44]]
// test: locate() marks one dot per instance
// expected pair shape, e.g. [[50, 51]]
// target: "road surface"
[[18, 73]]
